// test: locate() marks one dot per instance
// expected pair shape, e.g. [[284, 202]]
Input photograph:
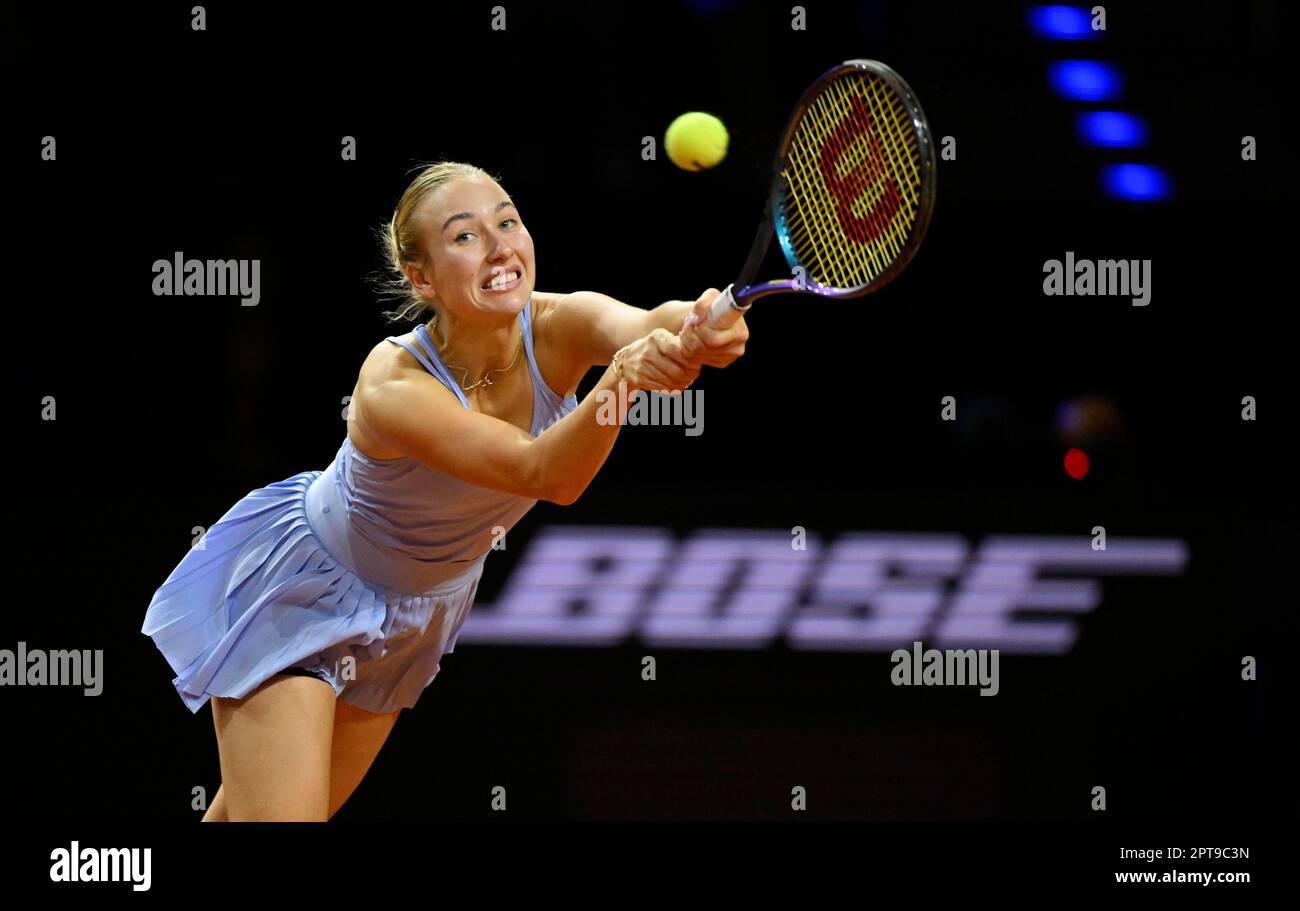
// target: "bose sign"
[[743, 588]]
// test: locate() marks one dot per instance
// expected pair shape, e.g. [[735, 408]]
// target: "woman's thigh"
[[275, 746], [358, 737]]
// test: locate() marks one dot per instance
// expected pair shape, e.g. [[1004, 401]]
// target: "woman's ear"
[[421, 280]]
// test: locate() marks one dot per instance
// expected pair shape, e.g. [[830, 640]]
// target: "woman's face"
[[472, 236]]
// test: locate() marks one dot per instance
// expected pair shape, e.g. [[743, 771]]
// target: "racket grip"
[[725, 311]]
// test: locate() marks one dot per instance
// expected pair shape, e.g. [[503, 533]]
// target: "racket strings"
[[856, 143], [863, 185], [867, 179], [852, 182]]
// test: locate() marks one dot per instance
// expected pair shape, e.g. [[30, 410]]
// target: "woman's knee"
[[274, 747]]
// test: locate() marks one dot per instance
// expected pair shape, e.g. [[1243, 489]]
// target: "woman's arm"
[[419, 417], [573, 449], [669, 315], [596, 325]]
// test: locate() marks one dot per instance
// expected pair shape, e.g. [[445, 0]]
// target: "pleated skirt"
[[260, 594]]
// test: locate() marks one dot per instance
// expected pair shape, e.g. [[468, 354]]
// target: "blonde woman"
[[318, 607]]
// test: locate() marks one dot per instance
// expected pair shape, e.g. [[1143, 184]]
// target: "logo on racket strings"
[[859, 124]]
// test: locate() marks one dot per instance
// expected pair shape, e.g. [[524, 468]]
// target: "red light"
[[1076, 464]]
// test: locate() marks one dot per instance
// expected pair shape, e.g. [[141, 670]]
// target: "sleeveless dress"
[[361, 574]]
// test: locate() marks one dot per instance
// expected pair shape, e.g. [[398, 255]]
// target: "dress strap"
[[539, 382], [435, 366]]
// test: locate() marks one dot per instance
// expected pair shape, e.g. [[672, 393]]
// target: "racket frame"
[[731, 303]]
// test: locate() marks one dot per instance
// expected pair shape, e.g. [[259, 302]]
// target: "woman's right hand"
[[657, 363]]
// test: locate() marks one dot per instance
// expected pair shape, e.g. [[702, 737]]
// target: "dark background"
[[225, 144]]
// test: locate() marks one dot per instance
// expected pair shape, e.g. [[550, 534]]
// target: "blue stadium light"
[[1062, 23], [1113, 129], [1141, 182], [1085, 80]]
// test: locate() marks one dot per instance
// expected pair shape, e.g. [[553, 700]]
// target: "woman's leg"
[[358, 737], [275, 747], [217, 809]]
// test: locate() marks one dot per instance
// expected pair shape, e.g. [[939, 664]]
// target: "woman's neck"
[[474, 348]]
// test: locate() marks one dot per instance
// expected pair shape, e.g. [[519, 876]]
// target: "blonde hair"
[[402, 241]]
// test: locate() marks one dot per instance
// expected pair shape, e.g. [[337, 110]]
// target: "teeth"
[[504, 279]]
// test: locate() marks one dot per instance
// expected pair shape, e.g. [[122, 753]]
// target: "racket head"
[[853, 184]]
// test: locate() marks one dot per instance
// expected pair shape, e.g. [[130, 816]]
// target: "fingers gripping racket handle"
[[725, 311]]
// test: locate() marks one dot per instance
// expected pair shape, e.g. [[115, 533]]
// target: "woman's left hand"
[[711, 347]]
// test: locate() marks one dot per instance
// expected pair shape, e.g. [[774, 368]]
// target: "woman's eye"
[[464, 234]]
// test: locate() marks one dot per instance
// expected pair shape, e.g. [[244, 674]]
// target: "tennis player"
[[318, 607]]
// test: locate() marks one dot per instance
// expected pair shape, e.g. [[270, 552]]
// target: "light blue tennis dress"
[[377, 560]]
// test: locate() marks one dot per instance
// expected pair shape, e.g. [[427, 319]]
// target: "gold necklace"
[[485, 381]]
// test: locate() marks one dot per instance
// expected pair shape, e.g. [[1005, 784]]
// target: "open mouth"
[[504, 281]]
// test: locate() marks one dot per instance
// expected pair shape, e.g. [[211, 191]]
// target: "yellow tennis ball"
[[696, 141]]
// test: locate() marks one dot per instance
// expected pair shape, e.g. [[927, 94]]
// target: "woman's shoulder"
[[554, 356], [386, 362], [543, 304]]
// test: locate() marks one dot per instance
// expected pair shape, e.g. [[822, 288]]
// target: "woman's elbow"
[[563, 497], [558, 490]]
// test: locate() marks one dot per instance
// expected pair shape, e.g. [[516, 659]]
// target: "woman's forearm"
[[575, 447], [668, 315]]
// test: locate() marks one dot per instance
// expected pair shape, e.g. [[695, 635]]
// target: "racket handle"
[[725, 311]]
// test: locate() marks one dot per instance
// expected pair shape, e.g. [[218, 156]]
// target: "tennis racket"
[[852, 190]]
